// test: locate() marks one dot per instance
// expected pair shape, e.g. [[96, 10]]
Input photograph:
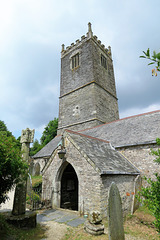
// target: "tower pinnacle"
[[90, 33]]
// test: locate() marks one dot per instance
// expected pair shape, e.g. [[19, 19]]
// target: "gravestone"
[[137, 188], [31, 168], [115, 215], [37, 169]]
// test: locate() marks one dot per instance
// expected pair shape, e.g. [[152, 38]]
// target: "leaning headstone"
[[94, 224], [137, 188], [115, 215]]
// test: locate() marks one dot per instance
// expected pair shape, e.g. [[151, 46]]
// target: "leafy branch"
[[155, 59]]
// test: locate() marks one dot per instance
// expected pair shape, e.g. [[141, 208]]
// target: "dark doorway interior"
[[69, 189]]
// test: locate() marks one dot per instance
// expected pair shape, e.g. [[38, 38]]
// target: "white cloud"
[[136, 110], [32, 32]]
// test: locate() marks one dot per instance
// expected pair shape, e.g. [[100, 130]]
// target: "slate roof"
[[139, 129], [47, 150], [102, 154]]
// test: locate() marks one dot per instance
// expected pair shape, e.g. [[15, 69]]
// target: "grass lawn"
[[36, 180], [9, 232], [138, 226]]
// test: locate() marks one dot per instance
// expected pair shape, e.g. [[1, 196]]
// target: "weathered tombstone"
[[31, 167], [94, 224], [115, 215], [137, 188], [37, 169]]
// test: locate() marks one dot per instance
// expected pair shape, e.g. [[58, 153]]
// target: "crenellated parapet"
[[83, 39]]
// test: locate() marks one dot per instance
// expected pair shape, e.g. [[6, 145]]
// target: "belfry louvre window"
[[103, 61], [75, 61]]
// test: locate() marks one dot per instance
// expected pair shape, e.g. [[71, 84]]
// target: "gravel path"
[[55, 231]]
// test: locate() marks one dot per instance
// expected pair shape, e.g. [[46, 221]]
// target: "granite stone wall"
[[89, 107], [93, 188], [141, 157], [87, 92], [89, 180], [77, 107], [125, 184]]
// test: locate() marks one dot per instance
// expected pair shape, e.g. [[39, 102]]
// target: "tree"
[[3, 128], [155, 59], [49, 132], [150, 195], [11, 165], [36, 147]]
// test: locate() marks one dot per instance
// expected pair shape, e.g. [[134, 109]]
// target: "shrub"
[[150, 195], [11, 164]]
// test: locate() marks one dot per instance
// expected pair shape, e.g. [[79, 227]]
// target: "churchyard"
[[61, 225], [87, 188], [136, 227]]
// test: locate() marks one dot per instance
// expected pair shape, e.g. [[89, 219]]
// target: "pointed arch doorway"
[[69, 189]]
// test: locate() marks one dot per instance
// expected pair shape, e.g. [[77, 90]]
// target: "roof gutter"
[[118, 173], [136, 144]]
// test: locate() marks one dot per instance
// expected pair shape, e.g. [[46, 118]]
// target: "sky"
[[31, 35]]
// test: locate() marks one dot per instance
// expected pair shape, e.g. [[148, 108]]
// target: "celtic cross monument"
[[19, 206]]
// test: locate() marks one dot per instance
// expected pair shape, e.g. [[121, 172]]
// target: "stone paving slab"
[[55, 216], [66, 218], [76, 222], [49, 211], [60, 216], [41, 218]]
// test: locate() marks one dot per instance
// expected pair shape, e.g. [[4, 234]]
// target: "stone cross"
[[19, 205], [115, 215]]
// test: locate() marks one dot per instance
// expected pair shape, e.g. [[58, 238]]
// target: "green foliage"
[[36, 180], [155, 59], [35, 197], [35, 148], [3, 224], [37, 183], [11, 165], [156, 153], [150, 195], [18, 142], [8, 231], [49, 132], [3, 128]]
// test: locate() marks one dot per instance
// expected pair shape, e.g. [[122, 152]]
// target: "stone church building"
[[93, 147]]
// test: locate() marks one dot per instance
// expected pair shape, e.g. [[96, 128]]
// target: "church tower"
[[87, 88]]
